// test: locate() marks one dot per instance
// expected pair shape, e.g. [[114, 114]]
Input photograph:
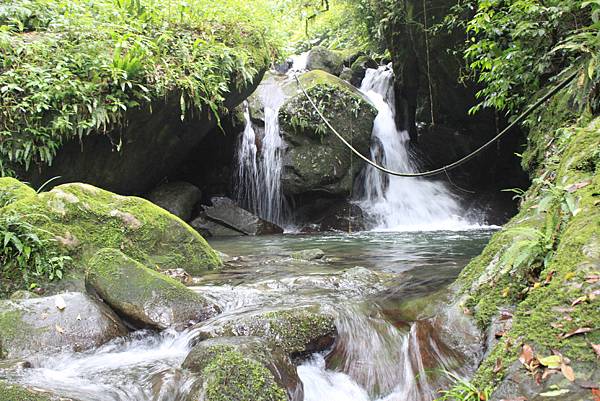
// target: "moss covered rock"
[[68, 321], [320, 58], [543, 266], [296, 331], [83, 219], [16, 392], [315, 160], [12, 190], [244, 369], [142, 294]]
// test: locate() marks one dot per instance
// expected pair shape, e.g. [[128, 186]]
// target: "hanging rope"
[[457, 163]]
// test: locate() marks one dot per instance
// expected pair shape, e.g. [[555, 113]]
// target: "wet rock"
[[144, 296], [359, 68], [225, 211], [343, 216], [179, 275], [308, 254], [320, 58], [68, 321], [84, 219], [208, 228], [346, 74], [316, 164], [518, 382], [297, 331], [244, 368], [179, 198]]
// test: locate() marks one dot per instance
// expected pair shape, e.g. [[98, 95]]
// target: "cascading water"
[[398, 203], [259, 158]]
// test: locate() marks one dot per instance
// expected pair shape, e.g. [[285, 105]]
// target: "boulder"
[[308, 254], [320, 58], [70, 321], [208, 228], [346, 74], [359, 68], [17, 392], [315, 160], [142, 295], [296, 331], [244, 368], [225, 211], [12, 190], [83, 219], [179, 198], [344, 216]]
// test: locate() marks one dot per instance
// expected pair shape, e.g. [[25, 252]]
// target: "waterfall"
[[259, 161], [400, 203]]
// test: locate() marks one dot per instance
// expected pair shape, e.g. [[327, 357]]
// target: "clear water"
[[389, 346], [401, 203]]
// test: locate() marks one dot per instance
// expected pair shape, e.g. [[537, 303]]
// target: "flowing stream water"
[[395, 331]]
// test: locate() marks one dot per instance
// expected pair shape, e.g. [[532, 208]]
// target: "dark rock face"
[[320, 58], [208, 228], [179, 198], [359, 68], [68, 321], [144, 296], [251, 353], [152, 145], [225, 211]]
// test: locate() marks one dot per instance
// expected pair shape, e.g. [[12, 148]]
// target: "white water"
[[399, 203], [259, 167]]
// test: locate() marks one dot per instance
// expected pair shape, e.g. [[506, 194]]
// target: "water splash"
[[398, 203]]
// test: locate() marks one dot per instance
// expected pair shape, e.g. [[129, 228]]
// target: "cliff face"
[[535, 288]]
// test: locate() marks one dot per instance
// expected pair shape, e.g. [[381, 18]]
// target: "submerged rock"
[[208, 228], [225, 211], [83, 219], [70, 321], [308, 254], [143, 295], [245, 369], [297, 331], [179, 198], [320, 58]]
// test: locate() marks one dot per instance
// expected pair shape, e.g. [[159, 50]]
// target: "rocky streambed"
[[337, 316]]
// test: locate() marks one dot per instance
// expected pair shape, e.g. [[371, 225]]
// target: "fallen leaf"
[[596, 348], [580, 330], [596, 394], [548, 372], [60, 302], [505, 292], [567, 372], [557, 325], [555, 393], [59, 329], [526, 354], [574, 187], [579, 300], [552, 361], [537, 285], [587, 384], [500, 333], [591, 279], [569, 275], [505, 315], [498, 366], [549, 277]]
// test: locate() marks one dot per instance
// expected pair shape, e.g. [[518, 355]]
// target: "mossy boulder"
[[16, 392], [144, 296], [296, 331], [243, 369], [12, 190], [70, 321], [83, 219], [320, 58], [315, 160]]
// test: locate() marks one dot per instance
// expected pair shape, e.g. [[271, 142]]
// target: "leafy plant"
[[463, 390], [532, 246], [26, 255]]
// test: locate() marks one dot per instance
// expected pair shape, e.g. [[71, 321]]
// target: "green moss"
[[232, 377], [13, 392], [12, 190]]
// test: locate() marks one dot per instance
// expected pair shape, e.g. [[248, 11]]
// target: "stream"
[[388, 290]]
